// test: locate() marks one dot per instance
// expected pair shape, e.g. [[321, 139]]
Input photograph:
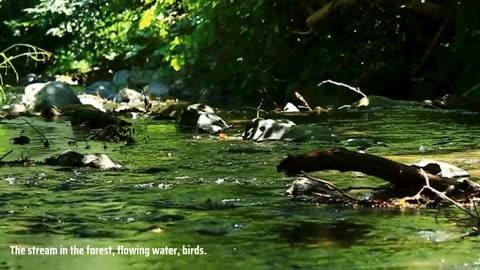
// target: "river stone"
[[30, 93], [141, 77], [441, 168], [102, 88], [93, 100], [120, 78], [259, 130], [129, 95], [56, 94], [101, 161], [72, 158], [201, 117], [29, 79], [157, 89], [289, 107]]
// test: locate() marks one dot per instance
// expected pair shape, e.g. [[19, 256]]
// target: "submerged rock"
[[71, 158], [363, 144], [55, 94], [260, 130], [201, 117]]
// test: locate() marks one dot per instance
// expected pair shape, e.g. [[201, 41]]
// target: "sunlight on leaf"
[[147, 18], [163, 33], [177, 63]]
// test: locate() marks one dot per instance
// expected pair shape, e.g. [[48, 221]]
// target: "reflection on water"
[[227, 197], [338, 234]]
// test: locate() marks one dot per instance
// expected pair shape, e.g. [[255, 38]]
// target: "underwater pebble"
[[157, 230], [164, 186], [10, 180], [130, 220], [153, 185]]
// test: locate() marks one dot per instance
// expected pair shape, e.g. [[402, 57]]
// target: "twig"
[[445, 197], [259, 106], [329, 185], [308, 32], [300, 97], [250, 108], [6, 154], [474, 88], [356, 90], [46, 143]]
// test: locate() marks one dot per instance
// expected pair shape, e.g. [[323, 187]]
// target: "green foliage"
[[14, 52], [234, 46]]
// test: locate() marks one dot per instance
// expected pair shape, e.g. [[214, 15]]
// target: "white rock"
[[445, 169], [101, 161], [129, 95], [95, 101], [290, 108], [30, 92]]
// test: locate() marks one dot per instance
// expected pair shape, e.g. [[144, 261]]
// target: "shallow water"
[[226, 197]]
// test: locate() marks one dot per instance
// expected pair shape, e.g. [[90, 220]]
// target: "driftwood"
[[402, 176]]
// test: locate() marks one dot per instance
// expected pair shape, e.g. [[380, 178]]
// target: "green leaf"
[[177, 63]]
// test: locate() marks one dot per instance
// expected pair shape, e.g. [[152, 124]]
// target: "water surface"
[[227, 197]]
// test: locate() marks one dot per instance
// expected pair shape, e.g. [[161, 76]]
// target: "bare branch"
[[354, 89], [330, 185]]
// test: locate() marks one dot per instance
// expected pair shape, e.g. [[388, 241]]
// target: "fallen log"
[[405, 177]]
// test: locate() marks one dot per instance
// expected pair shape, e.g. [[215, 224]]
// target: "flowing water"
[[227, 198]]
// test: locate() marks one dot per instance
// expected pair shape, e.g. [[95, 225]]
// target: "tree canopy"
[[254, 48]]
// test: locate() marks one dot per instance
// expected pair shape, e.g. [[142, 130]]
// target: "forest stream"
[[226, 197]]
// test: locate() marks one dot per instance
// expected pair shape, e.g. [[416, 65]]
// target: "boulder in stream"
[[442, 169], [72, 158], [260, 130], [202, 118], [30, 93], [54, 94]]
